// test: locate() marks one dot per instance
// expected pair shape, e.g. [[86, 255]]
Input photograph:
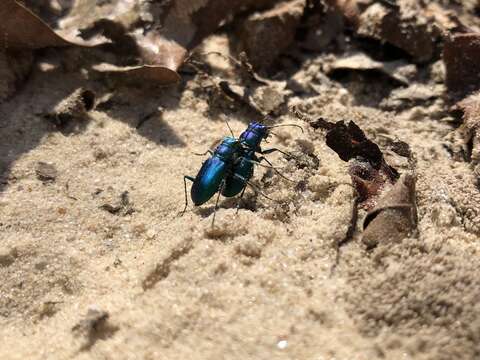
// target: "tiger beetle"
[[230, 166], [250, 141]]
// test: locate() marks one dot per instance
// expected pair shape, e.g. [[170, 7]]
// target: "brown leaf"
[[182, 26], [394, 217], [22, 29], [369, 171], [461, 56]]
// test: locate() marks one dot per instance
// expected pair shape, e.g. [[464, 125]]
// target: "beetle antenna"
[[229, 128], [295, 125]]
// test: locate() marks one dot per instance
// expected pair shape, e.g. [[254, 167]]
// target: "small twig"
[[67, 191]]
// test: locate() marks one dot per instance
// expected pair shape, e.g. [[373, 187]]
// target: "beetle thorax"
[[227, 148], [253, 136]]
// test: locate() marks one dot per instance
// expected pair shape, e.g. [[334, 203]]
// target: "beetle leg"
[[271, 150], [258, 160], [185, 178], [220, 189], [255, 188], [205, 153], [241, 196]]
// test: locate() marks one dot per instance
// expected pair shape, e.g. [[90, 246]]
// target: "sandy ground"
[[260, 285]]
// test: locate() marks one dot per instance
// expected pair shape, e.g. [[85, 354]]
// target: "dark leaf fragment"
[[349, 142]]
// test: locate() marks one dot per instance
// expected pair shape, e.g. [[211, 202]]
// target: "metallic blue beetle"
[[211, 177], [242, 171], [230, 166]]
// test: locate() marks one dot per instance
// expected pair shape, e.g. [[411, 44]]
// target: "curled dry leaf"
[[157, 50], [461, 56], [177, 27], [394, 217], [370, 173], [388, 198], [22, 29]]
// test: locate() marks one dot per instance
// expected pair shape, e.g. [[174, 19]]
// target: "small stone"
[[151, 234], [46, 172], [7, 256]]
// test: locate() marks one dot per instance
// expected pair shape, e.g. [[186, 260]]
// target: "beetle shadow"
[[248, 202], [148, 121], [23, 120]]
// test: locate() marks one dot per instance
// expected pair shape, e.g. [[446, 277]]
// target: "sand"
[[259, 285]]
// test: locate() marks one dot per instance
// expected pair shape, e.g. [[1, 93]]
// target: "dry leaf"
[[394, 217], [182, 26], [22, 29], [370, 173]]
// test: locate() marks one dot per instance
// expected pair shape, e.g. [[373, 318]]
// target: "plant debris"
[[369, 171], [123, 207], [22, 29], [395, 215], [388, 197]]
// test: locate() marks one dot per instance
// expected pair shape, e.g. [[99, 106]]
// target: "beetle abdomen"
[[208, 180], [235, 185]]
